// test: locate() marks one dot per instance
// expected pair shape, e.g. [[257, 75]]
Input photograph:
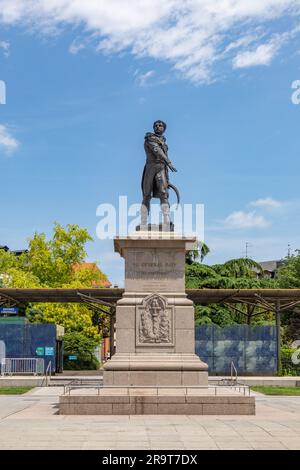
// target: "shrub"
[[77, 344], [287, 366]]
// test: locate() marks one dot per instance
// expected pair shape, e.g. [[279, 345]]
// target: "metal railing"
[[232, 381], [22, 365], [48, 373], [83, 383], [233, 370], [244, 389]]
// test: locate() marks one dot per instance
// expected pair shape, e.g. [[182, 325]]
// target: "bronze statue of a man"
[[155, 179]]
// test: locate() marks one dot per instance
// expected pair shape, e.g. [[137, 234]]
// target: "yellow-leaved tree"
[[49, 263]]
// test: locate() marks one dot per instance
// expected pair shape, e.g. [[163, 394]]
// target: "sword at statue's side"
[[173, 169], [171, 186]]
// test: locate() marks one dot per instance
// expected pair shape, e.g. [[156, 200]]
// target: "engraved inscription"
[[154, 270], [146, 265]]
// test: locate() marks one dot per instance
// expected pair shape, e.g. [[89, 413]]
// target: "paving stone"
[[275, 426]]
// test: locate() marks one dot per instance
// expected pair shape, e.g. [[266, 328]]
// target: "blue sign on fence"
[[49, 351], [72, 358], [9, 310]]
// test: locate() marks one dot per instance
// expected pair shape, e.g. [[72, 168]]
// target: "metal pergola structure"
[[266, 300], [112, 295]]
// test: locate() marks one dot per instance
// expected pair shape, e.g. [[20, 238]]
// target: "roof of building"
[[93, 267], [14, 252], [271, 265]]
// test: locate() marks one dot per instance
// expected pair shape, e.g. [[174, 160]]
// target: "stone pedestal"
[[155, 369], [155, 344]]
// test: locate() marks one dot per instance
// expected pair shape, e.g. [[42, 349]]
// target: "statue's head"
[[159, 127]]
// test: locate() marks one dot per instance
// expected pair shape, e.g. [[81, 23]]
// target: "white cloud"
[[7, 141], [76, 46], [267, 202], [262, 54], [191, 35], [243, 41], [244, 220], [142, 79], [5, 46]]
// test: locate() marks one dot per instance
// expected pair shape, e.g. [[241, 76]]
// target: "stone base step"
[[113, 402]]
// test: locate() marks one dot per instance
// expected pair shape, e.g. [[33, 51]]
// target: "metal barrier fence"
[[252, 348], [22, 365]]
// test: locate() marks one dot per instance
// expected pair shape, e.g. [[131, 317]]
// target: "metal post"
[[278, 336], [112, 333]]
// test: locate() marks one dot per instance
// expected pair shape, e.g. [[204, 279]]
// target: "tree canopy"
[[289, 273], [50, 263], [289, 278], [241, 273]]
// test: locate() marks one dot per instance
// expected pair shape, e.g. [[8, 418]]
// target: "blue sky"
[[84, 82]]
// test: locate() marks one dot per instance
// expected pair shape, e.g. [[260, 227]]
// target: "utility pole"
[[289, 251], [248, 245]]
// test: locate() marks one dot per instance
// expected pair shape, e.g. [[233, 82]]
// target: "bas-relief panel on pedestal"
[[155, 322]]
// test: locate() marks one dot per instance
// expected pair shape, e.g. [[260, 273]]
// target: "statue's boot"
[[166, 216], [144, 215]]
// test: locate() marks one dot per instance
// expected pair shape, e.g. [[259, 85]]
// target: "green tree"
[[72, 316], [239, 268], [289, 274], [199, 251], [76, 343], [238, 273], [242, 273], [288, 277], [50, 263], [14, 271], [16, 277], [7, 261]]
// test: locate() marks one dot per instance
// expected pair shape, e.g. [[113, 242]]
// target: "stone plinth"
[[155, 331], [162, 401]]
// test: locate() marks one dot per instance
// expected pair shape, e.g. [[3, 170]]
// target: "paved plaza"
[[31, 421]]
